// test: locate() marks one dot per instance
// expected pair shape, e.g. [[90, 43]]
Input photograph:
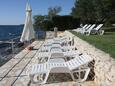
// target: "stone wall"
[[104, 64]]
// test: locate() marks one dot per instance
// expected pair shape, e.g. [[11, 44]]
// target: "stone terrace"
[[13, 72]]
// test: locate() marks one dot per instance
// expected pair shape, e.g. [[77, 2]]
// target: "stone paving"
[[13, 71], [91, 83]]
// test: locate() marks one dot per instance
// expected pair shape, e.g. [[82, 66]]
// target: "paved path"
[[12, 71], [90, 83]]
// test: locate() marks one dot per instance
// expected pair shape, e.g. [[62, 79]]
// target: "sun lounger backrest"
[[98, 27], [91, 27], [78, 61], [87, 27]]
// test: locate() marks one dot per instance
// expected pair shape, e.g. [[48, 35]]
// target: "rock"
[[104, 65]]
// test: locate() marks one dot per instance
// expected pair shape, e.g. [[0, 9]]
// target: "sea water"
[[8, 32]]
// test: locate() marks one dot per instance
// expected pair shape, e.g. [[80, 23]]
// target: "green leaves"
[[44, 22], [53, 11], [94, 11], [38, 21]]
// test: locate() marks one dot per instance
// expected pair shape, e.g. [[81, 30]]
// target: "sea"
[[8, 32]]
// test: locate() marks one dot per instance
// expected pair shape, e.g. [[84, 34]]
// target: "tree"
[[65, 22], [84, 9], [38, 21], [42, 22], [104, 9], [94, 11], [53, 11]]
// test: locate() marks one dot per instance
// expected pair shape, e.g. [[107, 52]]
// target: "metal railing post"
[[12, 46]]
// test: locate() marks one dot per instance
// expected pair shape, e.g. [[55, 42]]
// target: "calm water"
[[10, 31]]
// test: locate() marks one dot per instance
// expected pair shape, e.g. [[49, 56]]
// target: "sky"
[[12, 12]]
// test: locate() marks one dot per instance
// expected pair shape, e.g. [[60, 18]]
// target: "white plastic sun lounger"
[[63, 41], [87, 32], [86, 28], [98, 30], [71, 53], [60, 38], [43, 70], [56, 53], [81, 28], [57, 41], [64, 48], [66, 53], [45, 49]]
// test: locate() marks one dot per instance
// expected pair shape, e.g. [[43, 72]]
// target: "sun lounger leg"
[[71, 73], [101, 32], [87, 33], [32, 78], [40, 77], [79, 75], [86, 74], [46, 77]]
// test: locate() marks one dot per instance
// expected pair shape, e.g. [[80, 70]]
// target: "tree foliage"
[[38, 21], [53, 11], [94, 11], [48, 22], [65, 22], [44, 22]]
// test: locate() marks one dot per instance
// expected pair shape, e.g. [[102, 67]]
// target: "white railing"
[[13, 43]]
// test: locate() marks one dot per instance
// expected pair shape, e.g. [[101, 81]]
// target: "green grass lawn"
[[105, 42]]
